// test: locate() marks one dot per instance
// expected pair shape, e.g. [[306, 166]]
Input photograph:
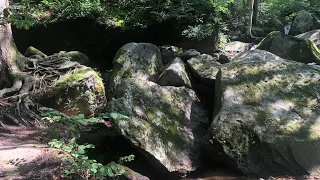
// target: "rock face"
[[166, 122], [267, 116], [313, 36], [84, 87], [175, 75], [304, 22], [289, 47], [136, 60]]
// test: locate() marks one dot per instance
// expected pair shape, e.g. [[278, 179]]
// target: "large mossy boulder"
[[79, 92], [304, 22], [136, 60], [313, 36], [166, 123], [289, 47], [267, 116]]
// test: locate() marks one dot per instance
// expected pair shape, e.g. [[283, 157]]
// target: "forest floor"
[[24, 154]]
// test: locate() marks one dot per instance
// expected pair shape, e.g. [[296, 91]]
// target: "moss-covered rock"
[[129, 174], [289, 47], [175, 74], [167, 122], [313, 36], [31, 51], [81, 91], [74, 56], [304, 22], [136, 60], [204, 67], [267, 116]]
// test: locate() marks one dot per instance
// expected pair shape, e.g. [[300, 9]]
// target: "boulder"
[[313, 36], [167, 123], [130, 174], [304, 22], [74, 56], [136, 60], [232, 49], [32, 51], [83, 87], [267, 116], [185, 55], [258, 32], [204, 67], [169, 53], [289, 47], [175, 75]]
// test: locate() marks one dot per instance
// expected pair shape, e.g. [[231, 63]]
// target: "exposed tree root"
[[18, 103]]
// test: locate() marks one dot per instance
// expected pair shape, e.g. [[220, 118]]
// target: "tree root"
[[18, 102]]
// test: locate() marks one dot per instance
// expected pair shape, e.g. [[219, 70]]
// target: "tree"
[[249, 29], [20, 81], [255, 12]]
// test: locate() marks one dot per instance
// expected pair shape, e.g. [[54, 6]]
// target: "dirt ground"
[[25, 155]]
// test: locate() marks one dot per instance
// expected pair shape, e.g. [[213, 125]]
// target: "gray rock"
[[74, 56], [289, 47], [166, 122], [185, 55], [83, 87], [136, 60], [232, 49], [204, 67], [169, 53], [304, 22], [267, 116], [33, 51], [313, 36], [175, 75]]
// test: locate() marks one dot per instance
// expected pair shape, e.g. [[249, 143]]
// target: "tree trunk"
[[12, 61], [255, 12], [249, 33]]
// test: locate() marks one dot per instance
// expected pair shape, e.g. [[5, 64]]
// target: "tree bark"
[[255, 12], [249, 29]]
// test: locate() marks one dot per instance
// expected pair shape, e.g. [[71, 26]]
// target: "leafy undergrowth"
[[64, 132]]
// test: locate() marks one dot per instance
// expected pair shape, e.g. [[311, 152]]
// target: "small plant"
[[81, 164], [76, 162]]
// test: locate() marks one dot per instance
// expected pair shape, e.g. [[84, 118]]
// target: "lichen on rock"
[[136, 60], [166, 122], [83, 87], [267, 116], [289, 47], [175, 74]]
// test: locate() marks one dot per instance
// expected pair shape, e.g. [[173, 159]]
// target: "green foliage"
[[198, 14], [80, 163], [283, 9]]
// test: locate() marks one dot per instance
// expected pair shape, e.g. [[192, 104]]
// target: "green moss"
[[73, 79], [117, 57], [300, 50]]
